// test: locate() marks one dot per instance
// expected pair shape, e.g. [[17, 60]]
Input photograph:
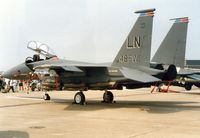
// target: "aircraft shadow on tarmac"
[[16, 105], [157, 107], [193, 93], [13, 134]]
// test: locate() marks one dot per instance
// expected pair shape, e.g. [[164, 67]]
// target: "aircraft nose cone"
[[18, 72]]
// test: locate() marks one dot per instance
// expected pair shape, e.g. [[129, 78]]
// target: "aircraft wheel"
[[108, 97], [79, 98], [188, 87], [32, 89], [46, 97]]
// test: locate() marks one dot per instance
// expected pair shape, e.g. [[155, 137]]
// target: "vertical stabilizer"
[[172, 48], [136, 49]]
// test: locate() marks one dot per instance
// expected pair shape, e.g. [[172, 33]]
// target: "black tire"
[[188, 87], [108, 97], [79, 98], [46, 97], [32, 89]]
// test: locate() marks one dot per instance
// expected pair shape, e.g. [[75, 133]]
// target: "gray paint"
[[172, 48], [136, 49]]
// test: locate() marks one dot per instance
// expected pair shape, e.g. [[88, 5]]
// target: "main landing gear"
[[79, 98]]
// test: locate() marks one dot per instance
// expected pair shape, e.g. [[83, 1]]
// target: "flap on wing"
[[194, 76], [138, 75], [66, 68]]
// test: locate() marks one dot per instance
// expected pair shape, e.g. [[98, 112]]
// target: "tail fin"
[[172, 48], [136, 49]]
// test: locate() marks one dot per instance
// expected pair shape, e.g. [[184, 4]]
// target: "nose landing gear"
[[108, 97], [46, 97]]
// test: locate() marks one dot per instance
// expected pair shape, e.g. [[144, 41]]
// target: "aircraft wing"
[[67, 65], [137, 75], [194, 76], [55, 66], [63, 62], [141, 74], [186, 72]]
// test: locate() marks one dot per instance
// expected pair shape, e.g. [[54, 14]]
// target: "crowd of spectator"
[[18, 85]]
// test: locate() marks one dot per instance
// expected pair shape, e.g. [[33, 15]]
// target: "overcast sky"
[[87, 30]]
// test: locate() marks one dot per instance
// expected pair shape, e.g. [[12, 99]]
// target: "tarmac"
[[135, 114]]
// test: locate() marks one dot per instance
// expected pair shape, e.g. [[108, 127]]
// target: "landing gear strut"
[[108, 97], [79, 98], [46, 97]]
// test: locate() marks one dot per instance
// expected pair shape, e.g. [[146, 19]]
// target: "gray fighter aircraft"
[[172, 48], [130, 68], [172, 51]]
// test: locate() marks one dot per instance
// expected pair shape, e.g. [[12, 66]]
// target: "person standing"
[[15, 85], [21, 86], [1, 83], [10, 84]]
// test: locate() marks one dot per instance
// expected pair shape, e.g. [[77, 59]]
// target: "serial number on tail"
[[129, 59]]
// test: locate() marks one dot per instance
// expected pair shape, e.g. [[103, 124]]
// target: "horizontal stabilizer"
[[137, 75]]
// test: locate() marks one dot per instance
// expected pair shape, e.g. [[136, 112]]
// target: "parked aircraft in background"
[[172, 51], [172, 48], [130, 68]]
